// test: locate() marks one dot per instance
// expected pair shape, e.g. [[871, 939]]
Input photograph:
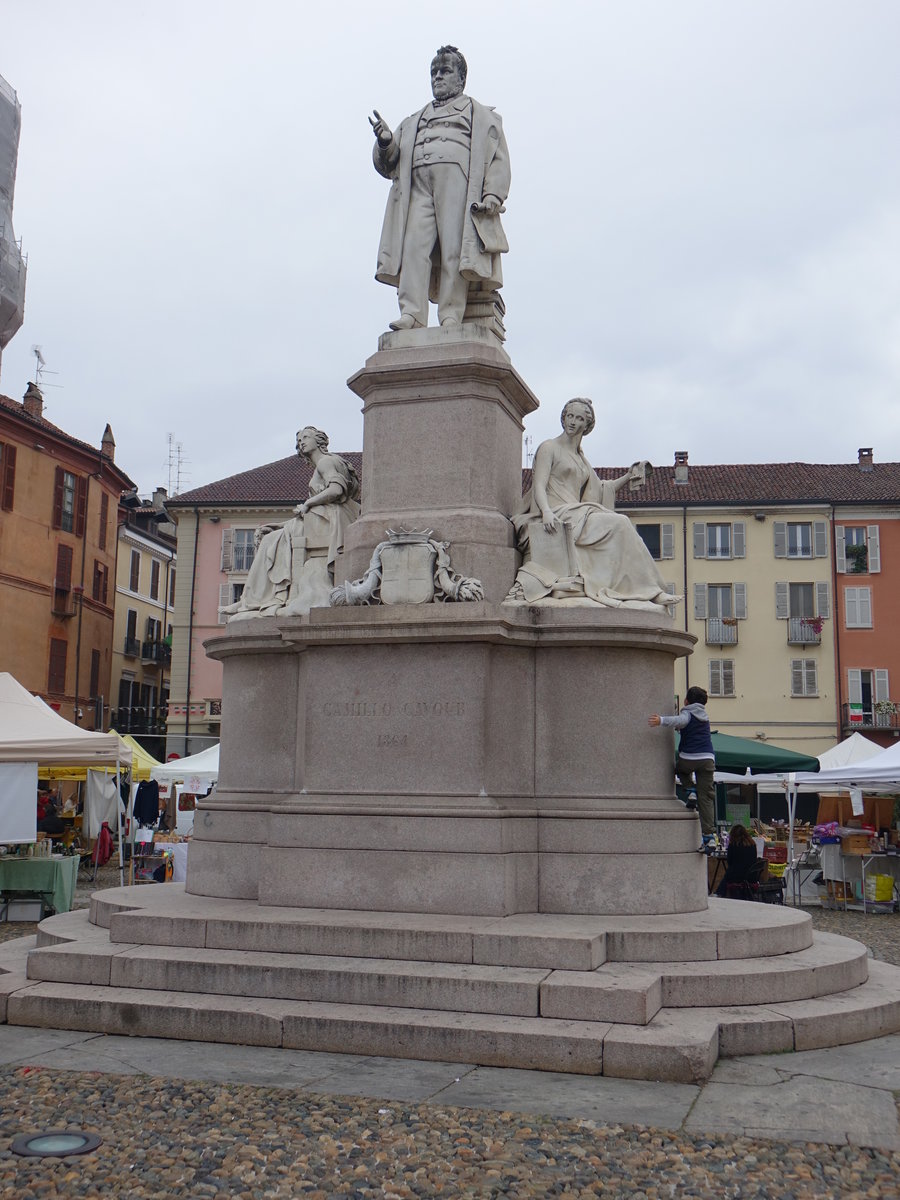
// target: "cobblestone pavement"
[[165, 1137]]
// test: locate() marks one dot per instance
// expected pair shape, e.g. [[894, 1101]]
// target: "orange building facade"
[[866, 588], [59, 513]]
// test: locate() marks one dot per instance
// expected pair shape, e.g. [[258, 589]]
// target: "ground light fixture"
[[55, 1143]]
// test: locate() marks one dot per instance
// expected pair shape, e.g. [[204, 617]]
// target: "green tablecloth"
[[54, 877]]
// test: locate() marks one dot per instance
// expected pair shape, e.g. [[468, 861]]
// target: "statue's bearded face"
[[446, 80]]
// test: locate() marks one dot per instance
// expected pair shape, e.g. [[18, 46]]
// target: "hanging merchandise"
[[146, 802], [104, 846]]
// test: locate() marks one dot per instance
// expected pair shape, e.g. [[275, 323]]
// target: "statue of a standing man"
[[449, 167]]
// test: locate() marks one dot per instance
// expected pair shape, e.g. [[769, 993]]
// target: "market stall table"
[[53, 878]]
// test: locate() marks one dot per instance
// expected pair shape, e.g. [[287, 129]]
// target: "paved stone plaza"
[[195, 1120]]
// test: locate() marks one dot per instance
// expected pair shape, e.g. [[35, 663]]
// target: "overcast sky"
[[704, 219]]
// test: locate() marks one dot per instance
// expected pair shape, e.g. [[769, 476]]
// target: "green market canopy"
[[737, 756]]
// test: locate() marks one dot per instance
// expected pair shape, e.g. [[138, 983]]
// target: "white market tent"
[[855, 762], [197, 773], [202, 768], [30, 731]]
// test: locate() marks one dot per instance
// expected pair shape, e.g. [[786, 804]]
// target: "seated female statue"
[[577, 549], [293, 568]]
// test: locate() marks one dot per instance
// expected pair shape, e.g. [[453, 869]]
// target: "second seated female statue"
[[577, 549], [293, 567]]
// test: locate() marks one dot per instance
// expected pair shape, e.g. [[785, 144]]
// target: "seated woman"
[[292, 570], [577, 549], [742, 865]]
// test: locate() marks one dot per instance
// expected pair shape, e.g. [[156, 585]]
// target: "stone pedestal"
[[442, 449], [470, 759]]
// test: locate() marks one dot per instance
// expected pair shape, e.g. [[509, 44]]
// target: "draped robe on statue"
[[293, 568], [607, 561]]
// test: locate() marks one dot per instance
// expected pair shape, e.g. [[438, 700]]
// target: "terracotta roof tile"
[[286, 482], [16, 408]]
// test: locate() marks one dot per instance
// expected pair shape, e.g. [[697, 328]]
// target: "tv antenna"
[[177, 463], [40, 368]]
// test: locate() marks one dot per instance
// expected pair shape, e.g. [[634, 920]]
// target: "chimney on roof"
[[33, 401], [108, 444], [865, 458], [681, 466], [160, 496]]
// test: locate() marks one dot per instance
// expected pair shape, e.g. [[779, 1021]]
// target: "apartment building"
[[867, 576], [144, 607], [59, 505], [756, 551]]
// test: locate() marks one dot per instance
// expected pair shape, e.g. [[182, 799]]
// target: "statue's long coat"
[[488, 175]]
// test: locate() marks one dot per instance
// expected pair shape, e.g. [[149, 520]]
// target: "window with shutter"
[[97, 589], [721, 677], [739, 539], [64, 501], [803, 677], [63, 579], [227, 540], [7, 476], [56, 673], [134, 579], [782, 609], [80, 505], [840, 558], [244, 547], [874, 548], [699, 539], [104, 520], [224, 600], [718, 540], [719, 600], [779, 530], [882, 691], [95, 675], [154, 579], [668, 539], [823, 600], [740, 601], [800, 539], [858, 608], [172, 588], [699, 601], [650, 535]]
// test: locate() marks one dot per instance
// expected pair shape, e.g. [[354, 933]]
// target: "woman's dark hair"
[[739, 836], [696, 695]]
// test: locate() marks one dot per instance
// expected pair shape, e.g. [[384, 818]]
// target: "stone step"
[[164, 915], [624, 993], [464, 987], [677, 1044], [613, 991]]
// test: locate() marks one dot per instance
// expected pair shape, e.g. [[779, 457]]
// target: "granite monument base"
[[471, 759], [442, 450]]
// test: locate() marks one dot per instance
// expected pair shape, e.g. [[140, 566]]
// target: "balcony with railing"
[[721, 631], [857, 717], [132, 647], [138, 720], [156, 652], [804, 631]]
